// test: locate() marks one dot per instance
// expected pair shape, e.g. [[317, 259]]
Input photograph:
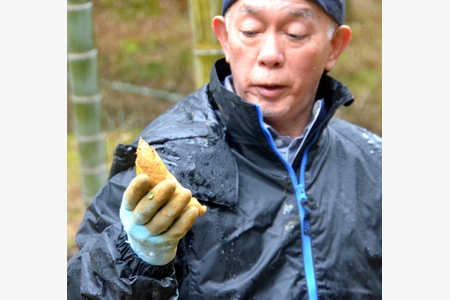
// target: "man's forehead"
[[249, 9]]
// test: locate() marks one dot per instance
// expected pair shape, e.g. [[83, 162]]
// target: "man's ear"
[[220, 30], [340, 40]]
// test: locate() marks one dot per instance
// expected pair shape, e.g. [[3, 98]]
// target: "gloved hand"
[[156, 220]]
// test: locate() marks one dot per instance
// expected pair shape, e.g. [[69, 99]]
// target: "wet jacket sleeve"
[[106, 267]]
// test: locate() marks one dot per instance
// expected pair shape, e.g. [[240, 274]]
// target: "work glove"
[[156, 220]]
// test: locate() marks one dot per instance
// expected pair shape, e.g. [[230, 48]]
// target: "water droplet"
[[287, 208]]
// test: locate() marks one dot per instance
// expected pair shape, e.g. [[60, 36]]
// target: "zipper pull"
[[307, 211]]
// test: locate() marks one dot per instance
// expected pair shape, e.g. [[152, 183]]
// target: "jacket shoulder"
[[358, 139], [193, 116]]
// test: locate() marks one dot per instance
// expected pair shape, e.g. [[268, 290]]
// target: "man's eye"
[[249, 33], [296, 36]]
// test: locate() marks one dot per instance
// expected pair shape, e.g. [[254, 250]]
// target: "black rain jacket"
[[271, 231]]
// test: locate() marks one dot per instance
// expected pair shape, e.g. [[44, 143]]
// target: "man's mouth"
[[270, 86], [269, 90]]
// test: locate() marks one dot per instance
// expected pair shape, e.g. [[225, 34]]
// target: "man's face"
[[278, 50]]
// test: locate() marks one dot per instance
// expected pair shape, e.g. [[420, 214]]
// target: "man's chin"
[[269, 112]]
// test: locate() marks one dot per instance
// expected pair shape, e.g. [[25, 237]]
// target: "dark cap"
[[333, 8]]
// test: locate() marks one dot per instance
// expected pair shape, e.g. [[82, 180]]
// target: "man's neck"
[[293, 127]]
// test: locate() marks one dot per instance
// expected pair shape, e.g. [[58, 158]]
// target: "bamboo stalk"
[[86, 97], [206, 46]]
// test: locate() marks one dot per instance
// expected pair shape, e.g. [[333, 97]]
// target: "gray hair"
[[332, 26], [227, 19]]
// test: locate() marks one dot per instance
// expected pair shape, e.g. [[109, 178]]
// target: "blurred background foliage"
[[149, 43]]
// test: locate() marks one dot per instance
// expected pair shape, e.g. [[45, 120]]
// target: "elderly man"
[[293, 195]]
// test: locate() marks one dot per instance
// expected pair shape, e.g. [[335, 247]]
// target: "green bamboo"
[[86, 97], [206, 46]]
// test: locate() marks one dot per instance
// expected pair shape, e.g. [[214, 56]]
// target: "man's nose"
[[271, 54]]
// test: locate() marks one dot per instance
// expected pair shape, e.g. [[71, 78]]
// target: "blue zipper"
[[300, 194], [303, 208]]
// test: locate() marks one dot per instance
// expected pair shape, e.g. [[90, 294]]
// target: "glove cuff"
[[137, 265]]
